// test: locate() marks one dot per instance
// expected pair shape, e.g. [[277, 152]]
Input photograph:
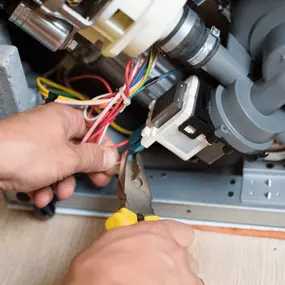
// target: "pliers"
[[133, 193]]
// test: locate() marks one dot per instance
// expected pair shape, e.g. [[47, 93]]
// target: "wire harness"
[[107, 106]]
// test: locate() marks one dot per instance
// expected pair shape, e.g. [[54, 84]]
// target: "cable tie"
[[127, 101]]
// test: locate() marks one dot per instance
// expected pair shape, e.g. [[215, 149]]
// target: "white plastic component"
[[169, 135], [133, 26], [275, 156]]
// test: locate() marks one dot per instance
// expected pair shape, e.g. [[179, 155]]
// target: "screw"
[[282, 58], [215, 32], [71, 46]]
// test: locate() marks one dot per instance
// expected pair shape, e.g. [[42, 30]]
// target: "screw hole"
[[151, 177], [188, 211], [233, 181], [270, 165], [268, 195], [163, 175], [231, 194], [23, 197]]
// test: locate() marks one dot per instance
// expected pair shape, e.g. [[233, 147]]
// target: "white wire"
[[103, 134], [101, 116], [85, 115], [85, 112], [83, 103], [136, 67], [112, 101]]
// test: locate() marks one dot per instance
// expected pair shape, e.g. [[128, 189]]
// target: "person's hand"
[[152, 253], [41, 147]]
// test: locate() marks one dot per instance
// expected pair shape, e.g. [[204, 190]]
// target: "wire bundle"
[[135, 78], [108, 106]]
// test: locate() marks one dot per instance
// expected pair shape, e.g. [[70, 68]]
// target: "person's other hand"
[[41, 147], [152, 253]]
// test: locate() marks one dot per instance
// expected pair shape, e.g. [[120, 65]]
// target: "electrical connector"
[[51, 97], [177, 111]]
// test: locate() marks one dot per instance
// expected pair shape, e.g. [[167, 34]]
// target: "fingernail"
[[110, 159]]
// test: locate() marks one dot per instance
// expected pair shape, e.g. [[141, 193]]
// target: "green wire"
[[62, 93], [151, 58]]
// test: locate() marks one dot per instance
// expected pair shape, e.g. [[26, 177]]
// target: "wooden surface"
[[33, 252]]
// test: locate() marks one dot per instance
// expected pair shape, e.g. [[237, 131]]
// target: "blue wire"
[[140, 75], [152, 82]]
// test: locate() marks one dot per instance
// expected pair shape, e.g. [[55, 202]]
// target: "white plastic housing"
[[133, 26], [169, 135]]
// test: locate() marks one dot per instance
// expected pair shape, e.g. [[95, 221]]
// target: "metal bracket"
[[197, 198], [263, 184], [63, 11]]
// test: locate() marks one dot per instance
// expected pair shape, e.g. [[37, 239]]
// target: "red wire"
[[91, 76], [109, 119], [119, 144], [129, 70], [116, 109]]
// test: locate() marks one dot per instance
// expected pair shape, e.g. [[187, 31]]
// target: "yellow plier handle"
[[125, 217]]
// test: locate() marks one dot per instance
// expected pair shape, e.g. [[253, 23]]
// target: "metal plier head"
[[133, 187]]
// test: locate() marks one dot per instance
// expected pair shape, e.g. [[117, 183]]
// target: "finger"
[[43, 197], [108, 141], [76, 125], [71, 118], [183, 234], [95, 158], [113, 171], [100, 179], [180, 233], [65, 188]]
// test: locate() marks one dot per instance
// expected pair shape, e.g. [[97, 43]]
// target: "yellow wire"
[[41, 80], [120, 129], [45, 92], [145, 75]]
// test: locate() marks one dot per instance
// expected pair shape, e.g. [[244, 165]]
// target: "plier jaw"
[[133, 193], [133, 187]]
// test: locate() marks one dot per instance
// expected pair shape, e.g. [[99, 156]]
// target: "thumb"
[[182, 233], [95, 158]]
